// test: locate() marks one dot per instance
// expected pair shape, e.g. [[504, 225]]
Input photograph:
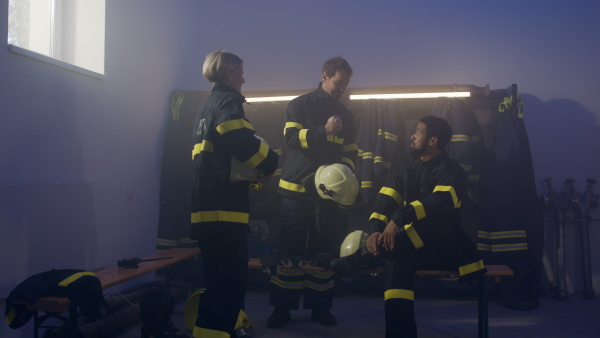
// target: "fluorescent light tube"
[[409, 95]]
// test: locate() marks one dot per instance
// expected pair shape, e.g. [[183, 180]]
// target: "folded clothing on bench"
[[81, 286]]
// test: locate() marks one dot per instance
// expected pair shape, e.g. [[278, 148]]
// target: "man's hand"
[[333, 125], [389, 235], [264, 179], [372, 242]]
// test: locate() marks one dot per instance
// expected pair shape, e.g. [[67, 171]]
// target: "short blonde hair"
[[218, 64]]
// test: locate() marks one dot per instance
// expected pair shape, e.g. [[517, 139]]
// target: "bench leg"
[[72, 322], [482, 321], [36, 324]]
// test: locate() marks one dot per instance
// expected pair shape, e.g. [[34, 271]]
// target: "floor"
[[443, 309]]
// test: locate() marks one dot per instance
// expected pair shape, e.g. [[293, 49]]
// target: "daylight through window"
[[71, 31]]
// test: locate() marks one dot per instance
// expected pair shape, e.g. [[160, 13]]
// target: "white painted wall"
[[70, 145]]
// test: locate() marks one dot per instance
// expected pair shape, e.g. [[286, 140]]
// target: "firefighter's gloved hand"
[[271, 263], [322, 260]]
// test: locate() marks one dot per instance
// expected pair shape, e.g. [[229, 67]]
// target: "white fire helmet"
[[355, 241], [242, 172], [337, 182]]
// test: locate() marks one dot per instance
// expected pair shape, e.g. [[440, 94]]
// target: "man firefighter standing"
[[319, 131]]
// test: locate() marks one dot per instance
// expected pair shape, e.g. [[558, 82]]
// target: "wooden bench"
[[495, 272], [54, 307]]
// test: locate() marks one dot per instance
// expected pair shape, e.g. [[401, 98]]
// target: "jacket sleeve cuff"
[[321, 130]]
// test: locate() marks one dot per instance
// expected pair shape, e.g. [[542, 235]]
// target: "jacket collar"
[[322, 94], [221, 87]]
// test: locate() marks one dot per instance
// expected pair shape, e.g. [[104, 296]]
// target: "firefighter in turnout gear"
[[415, 225], [319, 131], [220, 203]]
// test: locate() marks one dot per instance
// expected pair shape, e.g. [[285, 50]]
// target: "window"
[[70, 31]]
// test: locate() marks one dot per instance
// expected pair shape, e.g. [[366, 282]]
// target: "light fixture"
[[409, 95], [371, 96], [271, 98]]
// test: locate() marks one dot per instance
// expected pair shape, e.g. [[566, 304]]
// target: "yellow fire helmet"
[[338, 183], [355, 241]]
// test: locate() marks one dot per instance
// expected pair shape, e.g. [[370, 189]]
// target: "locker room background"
[[81, 158]]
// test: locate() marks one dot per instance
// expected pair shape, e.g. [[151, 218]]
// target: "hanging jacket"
[[378, 146], [220, 132], [83, 287], [416, 190], [467, 145], [308, 146], [512, 221]]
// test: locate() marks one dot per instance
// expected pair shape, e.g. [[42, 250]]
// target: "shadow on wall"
[[565, 143], [564, 139]]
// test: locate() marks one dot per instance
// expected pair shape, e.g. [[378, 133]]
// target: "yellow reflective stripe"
[[502, 247], [262, 153], [349, 162], [291, 186], [393, 194], [460, 138], [12, 313], [242, 320], [466, 167], [233, 125], [297, 285], [349, 147], [366, 184], [470, 268], [291, 125], [290, 272], [335, 139], [220, 216], [399, 293], [419, 209], [200, 332], [74, 277], [302, 138], [205, 145], [449, 189], [320, 274], [318, 287], [387, 135], [367, 155], [501, 234], [380, 217], [413, 236]]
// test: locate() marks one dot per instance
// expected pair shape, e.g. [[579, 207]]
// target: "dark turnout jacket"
[[308, 146], [418, 190], [220, 132]]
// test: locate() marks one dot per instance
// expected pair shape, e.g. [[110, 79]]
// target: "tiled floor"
[[445, 312]]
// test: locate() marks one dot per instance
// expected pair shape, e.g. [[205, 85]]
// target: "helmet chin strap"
[[324, 190]]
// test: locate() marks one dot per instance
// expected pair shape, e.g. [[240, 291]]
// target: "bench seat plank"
[[493, 270], [115, 275]]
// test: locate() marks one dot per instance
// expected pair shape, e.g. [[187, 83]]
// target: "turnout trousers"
[[430, 244], [307, 227], [224, 255]]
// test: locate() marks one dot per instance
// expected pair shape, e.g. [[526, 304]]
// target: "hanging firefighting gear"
[[83, 287], [512, 225], [378, 146]]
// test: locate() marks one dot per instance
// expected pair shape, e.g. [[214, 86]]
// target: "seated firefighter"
[[415, 225]]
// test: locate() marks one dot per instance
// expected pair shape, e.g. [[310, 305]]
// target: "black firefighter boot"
[[156, 307]]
